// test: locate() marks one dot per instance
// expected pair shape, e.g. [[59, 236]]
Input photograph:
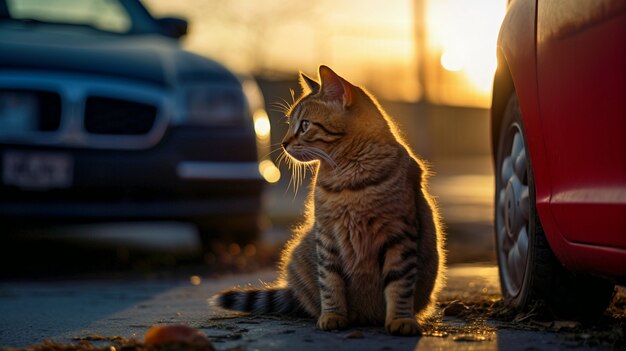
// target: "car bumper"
[[191, 173], [193, 210]]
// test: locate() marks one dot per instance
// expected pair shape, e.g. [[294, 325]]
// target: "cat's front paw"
[[332, 321], [403, 327]]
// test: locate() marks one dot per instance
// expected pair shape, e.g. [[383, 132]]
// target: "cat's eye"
[[304, 125]]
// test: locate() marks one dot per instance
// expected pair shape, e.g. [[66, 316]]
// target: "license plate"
[[37, 170]]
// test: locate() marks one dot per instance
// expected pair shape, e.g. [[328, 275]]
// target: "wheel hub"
[[514, 218], [513, 213], [510, 209]]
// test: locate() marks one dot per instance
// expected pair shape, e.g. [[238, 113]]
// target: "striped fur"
[[371, 248], [260, 301]]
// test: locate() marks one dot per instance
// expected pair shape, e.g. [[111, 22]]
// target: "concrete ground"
[[64, 310]]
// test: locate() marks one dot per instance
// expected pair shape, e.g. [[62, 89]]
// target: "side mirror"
[[173, 27]]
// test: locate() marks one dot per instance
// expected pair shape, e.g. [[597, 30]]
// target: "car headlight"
[[262, 129], [212, 105]]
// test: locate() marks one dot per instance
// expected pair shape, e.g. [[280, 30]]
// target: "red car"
[[559, 146]]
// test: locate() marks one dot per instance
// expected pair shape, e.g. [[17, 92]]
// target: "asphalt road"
[[60, 310]]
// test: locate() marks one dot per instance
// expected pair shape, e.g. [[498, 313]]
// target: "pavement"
[[65, 310]]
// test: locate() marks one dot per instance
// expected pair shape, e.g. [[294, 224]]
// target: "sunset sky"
[[371, 43]]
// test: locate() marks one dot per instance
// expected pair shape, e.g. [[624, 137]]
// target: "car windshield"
[[105, 15]]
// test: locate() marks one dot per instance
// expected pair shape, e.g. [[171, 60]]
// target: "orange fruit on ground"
[[176, 334]]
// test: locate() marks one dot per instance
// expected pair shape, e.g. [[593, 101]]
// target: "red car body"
[[566, 60]]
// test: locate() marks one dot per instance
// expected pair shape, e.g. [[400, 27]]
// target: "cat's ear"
[[308, 84], [335, 87]]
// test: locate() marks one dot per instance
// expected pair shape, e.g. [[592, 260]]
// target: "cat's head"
[[327, 117]]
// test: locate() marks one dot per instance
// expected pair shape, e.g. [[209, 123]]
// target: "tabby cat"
[[370, 251]]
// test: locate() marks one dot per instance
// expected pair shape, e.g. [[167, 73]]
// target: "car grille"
[[44, 105], [116, 116], [81, 111]]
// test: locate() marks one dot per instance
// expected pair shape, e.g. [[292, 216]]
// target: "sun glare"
[[481, 75], [443, 50], [451, 62], [462, 34]]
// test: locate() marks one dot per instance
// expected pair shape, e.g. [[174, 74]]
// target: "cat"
[[371, 249]]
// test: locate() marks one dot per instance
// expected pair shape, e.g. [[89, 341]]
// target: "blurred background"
[[437, 51], [429, 62]]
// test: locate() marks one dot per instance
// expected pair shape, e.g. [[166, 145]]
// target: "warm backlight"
[[441, 50], [462, 37], [261, 124], [269, 171]]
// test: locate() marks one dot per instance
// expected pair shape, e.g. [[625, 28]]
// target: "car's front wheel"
[[530, 274]]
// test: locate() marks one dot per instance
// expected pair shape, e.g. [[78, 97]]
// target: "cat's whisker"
[[282, 157], [281, 103], [323, 156], [272, 152], [287, 103], [282, 160], [284, 105], [297, 177], [279, 107], [301, 174], [303, 171], [292, 168], [298, 168], [289, 163], [311, 167], [279, 160]]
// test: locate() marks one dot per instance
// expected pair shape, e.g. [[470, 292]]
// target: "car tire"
[[530, 274]]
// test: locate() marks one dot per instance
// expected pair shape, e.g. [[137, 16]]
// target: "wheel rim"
[[513, 211]]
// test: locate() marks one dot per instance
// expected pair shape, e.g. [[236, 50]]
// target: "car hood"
[[148, 57]]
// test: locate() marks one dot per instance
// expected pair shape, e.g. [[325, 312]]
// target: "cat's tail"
[[259, 301]]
